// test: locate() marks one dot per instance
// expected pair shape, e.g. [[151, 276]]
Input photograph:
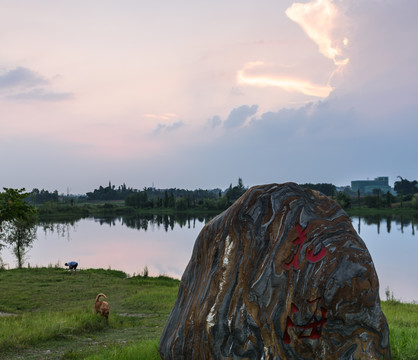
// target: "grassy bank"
[[66, 212], [398, 211], [53, 319]]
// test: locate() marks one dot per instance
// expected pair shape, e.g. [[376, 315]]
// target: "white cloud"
[[285, 82], [321, 21], [318, 19]]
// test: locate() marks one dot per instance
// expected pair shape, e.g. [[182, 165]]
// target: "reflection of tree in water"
[[166, 221], [62, 228], [388, 223], [400, 220], [139, 222], [108, 220]]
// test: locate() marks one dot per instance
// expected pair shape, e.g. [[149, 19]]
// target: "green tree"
[[171, 201], [20, 234], [138, 200], [388, 199], [414, 202], [405, 187], [13, 206], [377, 192], [370, 201], [17, 221], [343, 199], [165, 201], [325, 188], [233, 193], [181, 203]]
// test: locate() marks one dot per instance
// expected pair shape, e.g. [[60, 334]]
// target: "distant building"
[[369, 186]]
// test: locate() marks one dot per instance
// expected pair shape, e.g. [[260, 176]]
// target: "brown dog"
[[101, 306]]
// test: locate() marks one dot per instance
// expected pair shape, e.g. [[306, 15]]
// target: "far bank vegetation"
[[123, 200]]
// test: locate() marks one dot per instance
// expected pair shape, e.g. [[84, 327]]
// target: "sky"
[[187, 94]]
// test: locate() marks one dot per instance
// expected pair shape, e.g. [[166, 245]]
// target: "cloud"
[[21, 77], [322, 21], [23, 84], [285, 82], [215, 121], [168, 128], [40, 94], [318, 19], [238, 116], [165, 116]]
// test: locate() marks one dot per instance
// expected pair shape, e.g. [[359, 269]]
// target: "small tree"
[[20, 234], [17, 221]]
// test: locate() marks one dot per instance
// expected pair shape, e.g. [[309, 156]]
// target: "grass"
[[403, 326], [53, 314], [53, 317], [147, 349]]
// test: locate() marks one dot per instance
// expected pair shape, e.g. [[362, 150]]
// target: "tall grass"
[[146, 350], [17, 332], [403, 328]]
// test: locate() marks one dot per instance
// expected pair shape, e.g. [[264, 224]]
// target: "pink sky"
[[194, 95]]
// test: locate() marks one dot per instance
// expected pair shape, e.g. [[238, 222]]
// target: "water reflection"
[[137, 222], [164, 243], [165, 221], [400, 220], [392, 244]]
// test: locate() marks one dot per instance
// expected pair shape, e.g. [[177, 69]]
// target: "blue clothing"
[[72, 264]]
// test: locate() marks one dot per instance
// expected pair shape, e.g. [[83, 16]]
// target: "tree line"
[[147, 198], [181, 199], [19, 215], [214, 199]]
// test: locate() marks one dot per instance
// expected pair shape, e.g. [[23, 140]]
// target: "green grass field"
[[53, 316]]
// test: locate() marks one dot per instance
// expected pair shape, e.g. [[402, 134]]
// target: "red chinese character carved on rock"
[[309, 254], [314, 325]]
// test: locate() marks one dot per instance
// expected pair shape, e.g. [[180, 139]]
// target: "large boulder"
[[281, 274]]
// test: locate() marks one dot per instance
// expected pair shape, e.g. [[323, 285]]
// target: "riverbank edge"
[[117, 208]]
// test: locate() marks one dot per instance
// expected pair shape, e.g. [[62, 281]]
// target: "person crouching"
[[72, 265]]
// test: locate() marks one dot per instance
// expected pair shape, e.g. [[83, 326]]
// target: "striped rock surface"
[[281, 274]]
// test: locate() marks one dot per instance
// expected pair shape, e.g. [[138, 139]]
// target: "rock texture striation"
[[281, 274]]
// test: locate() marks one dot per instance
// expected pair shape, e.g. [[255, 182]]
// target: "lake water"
[[164, 245]]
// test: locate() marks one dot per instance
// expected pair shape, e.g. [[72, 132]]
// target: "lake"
[[164, 245]]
